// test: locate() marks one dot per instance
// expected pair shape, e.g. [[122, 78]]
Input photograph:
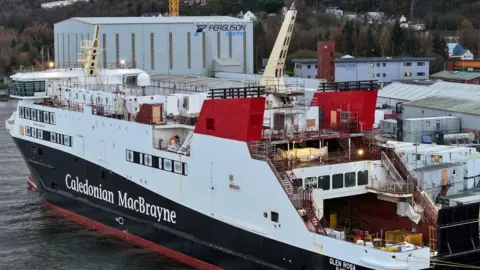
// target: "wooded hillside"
[[27, 27]]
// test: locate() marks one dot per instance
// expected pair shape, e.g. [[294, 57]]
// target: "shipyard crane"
[[173, 8]]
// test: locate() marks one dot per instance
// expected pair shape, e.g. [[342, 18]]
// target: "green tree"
[[370, 45], [412, 45], [385, 41], [468, 35], [398, 39], [439, 46], [348, 44], [26, 47]]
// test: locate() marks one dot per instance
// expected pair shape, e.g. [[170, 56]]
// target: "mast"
[[274, 71], [89, 54]]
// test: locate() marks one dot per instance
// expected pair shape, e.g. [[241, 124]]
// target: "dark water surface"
[[32, 237]]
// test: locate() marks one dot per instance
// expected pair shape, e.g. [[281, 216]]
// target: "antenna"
[[89, 54]]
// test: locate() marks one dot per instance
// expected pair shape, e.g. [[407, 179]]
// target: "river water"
[[32, 237]]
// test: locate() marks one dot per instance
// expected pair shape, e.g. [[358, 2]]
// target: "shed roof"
[[451, 104], [456, 75], [157, 20], [409, 92]]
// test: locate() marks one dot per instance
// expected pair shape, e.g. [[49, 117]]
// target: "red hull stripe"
[[135, 240], [31, 182]]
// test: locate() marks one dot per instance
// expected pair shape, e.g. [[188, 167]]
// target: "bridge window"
[[27, 88], [362, 178], [350, 179], [324, 182], [337, 181]]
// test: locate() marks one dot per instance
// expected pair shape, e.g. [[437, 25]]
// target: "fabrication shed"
[[161, 45]]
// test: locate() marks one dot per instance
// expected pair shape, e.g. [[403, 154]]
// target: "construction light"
[[51, 64], [360, 152]]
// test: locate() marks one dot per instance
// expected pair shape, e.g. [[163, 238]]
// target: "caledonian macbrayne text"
[[135, 204]]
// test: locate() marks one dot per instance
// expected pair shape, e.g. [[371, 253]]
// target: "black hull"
[[194, 235]]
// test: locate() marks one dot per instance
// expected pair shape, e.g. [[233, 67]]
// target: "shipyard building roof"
[[382, 59], [408, 92], [156, 20], [451, 104], [365, 59], [456, 75]]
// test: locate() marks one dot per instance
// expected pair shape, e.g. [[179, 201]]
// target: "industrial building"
[[457, 76], [382, 69], [468, 110], [398, 92], [161, 45]]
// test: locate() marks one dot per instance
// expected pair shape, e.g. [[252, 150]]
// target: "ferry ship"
[[252, 177]]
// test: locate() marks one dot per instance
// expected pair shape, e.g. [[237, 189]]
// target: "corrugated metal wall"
[[176, 49]]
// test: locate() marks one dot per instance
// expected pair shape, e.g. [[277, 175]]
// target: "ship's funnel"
[[273, 74]]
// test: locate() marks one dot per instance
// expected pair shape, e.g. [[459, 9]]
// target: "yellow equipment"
[[173, 8]]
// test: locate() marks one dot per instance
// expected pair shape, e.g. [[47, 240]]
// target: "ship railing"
[[127, 89], [101, 64], [420, 195], [348, 86], [391, 168], [279, 86], [392, 187]]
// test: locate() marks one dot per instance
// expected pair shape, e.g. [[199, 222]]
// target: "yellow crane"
[[173, 8]]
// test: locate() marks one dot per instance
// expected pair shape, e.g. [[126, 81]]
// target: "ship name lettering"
[[341, 265], [89, 190], [140, 205]]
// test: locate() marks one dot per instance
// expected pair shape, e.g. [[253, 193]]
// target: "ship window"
[[311, 182], [21, 112], [52, 118], [34, 132], [146, 159], [177, 167], [274, 216], [185, 169], [66, 140], [45, 117], [52, 137], [40, 134], [129, 155], [265, 215], [324, 182], [102, 175], [337, 181], [27, 113], [210, 124], [136, 157], [131, 80], [40, 151], [350, 179], [362, 178], [141, 158], [167, 165], [27, 131]]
